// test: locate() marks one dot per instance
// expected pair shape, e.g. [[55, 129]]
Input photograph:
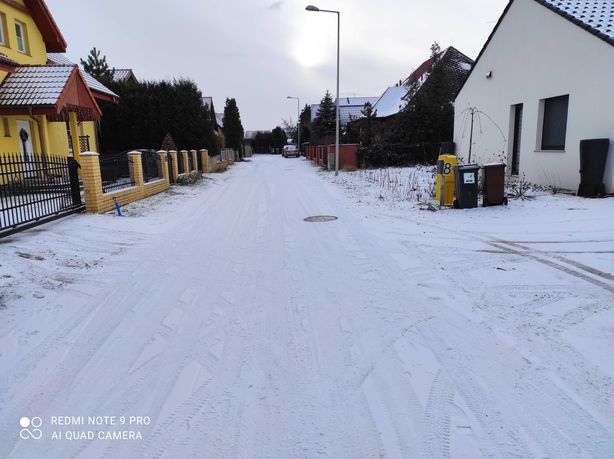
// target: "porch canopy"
[[51, 90]]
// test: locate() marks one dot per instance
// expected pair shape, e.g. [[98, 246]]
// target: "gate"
[[36, 191]]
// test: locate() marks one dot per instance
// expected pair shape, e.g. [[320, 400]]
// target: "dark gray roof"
[[93, 83], [34, 85], [595, 16]]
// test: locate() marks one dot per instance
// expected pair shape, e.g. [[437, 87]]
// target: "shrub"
[[396, 155], [189, 179]]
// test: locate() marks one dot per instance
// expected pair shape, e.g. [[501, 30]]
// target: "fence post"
[[73, 175], [194, 154], [136, 168], [163, 166], [175, 167], [92, 181], [204, 156]]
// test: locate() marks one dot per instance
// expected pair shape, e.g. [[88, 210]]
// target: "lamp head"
[[312, 8]]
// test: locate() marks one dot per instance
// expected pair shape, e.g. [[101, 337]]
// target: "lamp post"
[[318, 10], [298, 123]]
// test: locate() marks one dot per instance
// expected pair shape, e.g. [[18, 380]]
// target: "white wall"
[[537, 54]]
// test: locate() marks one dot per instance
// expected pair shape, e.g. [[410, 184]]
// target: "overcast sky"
[[260, 51]]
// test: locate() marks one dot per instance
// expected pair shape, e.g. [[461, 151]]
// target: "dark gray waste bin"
[[466, 186], [593, 156], [493, 185]]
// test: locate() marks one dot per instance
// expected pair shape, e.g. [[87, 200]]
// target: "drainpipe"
[[41, 134]]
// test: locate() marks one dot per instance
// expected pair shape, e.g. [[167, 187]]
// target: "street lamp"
[[298, 123], [318, 10]]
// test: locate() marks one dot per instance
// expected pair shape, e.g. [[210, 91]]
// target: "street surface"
[[241, 330]]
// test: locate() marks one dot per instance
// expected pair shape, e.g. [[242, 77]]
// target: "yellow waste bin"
[[445, 172]]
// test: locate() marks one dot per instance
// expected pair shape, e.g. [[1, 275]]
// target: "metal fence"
[[190, 162], [115, 172], [36, 189], [180, 164], [152, 166]]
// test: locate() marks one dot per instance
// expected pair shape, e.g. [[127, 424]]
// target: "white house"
[[543, 81]]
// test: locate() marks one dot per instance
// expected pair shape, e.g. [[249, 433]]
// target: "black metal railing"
[[180, 163], [169, 164], [152, 167], [115, 171], [190, 162], [84, 143], [199, 161], [35, 189]]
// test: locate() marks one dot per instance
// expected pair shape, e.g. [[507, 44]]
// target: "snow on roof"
[[122, 75], [596, 16], [350, 108], [391, 102], [219, 118], [93, 83], [34, 85]]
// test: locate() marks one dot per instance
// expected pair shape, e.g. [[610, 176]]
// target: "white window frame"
[[20, 29], [3, 40]]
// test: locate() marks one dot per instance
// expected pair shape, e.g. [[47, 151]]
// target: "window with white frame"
[[554, 128], [3, 39], [20, 31]]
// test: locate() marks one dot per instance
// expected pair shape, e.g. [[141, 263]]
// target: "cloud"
[[276, 5]]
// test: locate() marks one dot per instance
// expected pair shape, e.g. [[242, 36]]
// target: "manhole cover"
[[320, 218]]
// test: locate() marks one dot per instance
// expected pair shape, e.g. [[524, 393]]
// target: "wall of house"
[[89, 128], [538, 54], [37, 52], [58, 139]]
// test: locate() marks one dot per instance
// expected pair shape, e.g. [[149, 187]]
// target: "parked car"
[[291, 151]]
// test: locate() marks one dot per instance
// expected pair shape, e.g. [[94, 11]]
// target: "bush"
[[396, 155], [189, 179], [218, 168]]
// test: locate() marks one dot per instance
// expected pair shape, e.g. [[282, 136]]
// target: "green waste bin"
[[466, 186]]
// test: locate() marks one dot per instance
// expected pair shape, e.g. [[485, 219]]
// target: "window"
[[3, 39], [554, 123], [20, 30]]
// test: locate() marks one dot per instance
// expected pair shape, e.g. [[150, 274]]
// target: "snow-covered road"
[[242, 331]]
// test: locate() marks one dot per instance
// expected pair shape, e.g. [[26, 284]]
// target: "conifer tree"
[[367, 127], [324, 124], [233, 129], [98, 67]]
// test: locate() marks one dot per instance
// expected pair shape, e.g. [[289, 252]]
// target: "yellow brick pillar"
[[92, 181], [136, 168], [175, 168], [194, 154], [74, 134], [204, 157], [186, 162], [163, 165]]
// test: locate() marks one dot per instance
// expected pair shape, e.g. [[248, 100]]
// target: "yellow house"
[[48, 106]]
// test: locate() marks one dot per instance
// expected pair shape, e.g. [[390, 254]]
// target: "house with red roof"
[[48, 106]]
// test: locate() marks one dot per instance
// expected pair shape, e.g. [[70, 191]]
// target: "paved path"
[[243, 331]]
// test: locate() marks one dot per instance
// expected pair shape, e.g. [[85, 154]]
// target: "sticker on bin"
[[468, 178]]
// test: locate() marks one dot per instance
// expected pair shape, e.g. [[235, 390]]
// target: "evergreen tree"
[[168, 143], [152, 111], [367, 128], [233, 129], [305, 124], [278, 137], [428, 117], [324, 124], [98, 67]]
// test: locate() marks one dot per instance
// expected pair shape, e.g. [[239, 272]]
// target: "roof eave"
[[54, 40]]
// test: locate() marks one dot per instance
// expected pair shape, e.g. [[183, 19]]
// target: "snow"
[[242, 331], [391, 101]]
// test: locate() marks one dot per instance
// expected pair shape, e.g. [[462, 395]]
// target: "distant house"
[[349, 108], [394, 98], [46, 107], [218, 128], [124, 76], [543, 81]]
